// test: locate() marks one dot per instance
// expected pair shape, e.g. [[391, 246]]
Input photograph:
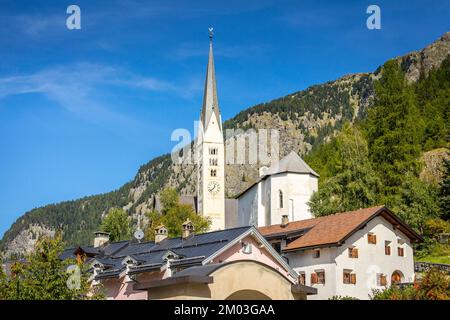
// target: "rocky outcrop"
[[25, 241], [433, 165]]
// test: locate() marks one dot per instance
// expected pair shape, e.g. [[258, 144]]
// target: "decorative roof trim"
[[255, 233]]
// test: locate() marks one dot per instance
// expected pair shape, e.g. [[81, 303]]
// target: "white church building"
[[283, 189]]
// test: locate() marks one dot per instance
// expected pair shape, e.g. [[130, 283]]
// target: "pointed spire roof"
[[210, 101]]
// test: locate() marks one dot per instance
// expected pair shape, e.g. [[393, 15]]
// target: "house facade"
[[347, 254]]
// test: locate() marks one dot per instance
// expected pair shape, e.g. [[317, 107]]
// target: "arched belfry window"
[[280, 198]]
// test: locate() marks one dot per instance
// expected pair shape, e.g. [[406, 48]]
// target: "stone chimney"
[[284, 220], [101, 238], [188, 229], [160, 233]]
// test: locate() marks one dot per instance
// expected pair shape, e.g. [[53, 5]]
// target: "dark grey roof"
[[199, 270], [68, 254], [190, 252]]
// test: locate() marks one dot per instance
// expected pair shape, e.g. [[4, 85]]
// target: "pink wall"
[[118, 289], [258, 254]]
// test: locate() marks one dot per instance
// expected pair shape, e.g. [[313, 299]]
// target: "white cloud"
[[74, 87]]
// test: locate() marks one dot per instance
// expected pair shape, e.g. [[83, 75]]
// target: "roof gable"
[[291, 163]]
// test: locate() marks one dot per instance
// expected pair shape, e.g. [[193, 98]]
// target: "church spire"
[[210, 101]]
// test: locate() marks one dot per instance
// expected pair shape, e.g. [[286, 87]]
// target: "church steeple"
[[210, 101], [210, 152]]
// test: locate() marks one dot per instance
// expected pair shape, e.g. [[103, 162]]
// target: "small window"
[[277, 246], [381, 280], [353, 252], [401, 252], [316, 254], [318, 277], [302, 278], [387, 248], [349, 277], [280, 195], [371, 238], [213, 161], [213, 173], [246, 248]]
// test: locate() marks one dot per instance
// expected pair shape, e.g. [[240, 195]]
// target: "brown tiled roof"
[[333, 229]]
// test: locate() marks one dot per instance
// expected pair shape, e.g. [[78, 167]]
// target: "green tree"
[[394, 129], [444, 192], [173, 215], [354, 183], [416, 202], [44, 276], [118, 224], [433, 100]]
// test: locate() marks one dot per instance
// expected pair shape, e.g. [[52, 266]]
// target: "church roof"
[[291, 163], [210, 101], [332, 230]]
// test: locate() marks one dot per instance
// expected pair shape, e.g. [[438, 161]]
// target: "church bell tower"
[[210, 152]]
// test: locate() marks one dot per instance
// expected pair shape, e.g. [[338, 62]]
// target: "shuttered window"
[[381, 280], [321, 277], [302, 278], [401, 252], [353, 278], [352, 252], [314, 278], [316, 254], [347, 277]]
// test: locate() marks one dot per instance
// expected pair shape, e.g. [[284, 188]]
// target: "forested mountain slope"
[[305, 120]]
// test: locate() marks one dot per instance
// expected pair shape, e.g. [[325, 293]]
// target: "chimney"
[[160, 233], [101, 238], [188, 229], [284, 221]]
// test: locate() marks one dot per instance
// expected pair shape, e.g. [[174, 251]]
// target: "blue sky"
[[81, 110]]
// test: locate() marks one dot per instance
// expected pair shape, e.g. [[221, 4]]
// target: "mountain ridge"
[[304, 118]]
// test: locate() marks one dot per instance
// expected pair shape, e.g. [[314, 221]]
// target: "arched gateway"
[[237, 280]]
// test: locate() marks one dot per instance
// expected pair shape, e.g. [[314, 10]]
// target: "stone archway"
[[247, 295], [397, 277], [248, 279]]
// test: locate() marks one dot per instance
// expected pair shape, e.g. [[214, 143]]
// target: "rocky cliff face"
[[304, 120]]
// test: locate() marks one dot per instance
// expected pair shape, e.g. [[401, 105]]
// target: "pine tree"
[[444, 192], [354, 183], [394, 130]]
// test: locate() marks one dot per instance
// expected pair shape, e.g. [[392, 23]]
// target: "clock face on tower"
[[213, 187]]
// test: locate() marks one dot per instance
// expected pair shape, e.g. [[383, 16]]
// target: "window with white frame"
[[349, 277]]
